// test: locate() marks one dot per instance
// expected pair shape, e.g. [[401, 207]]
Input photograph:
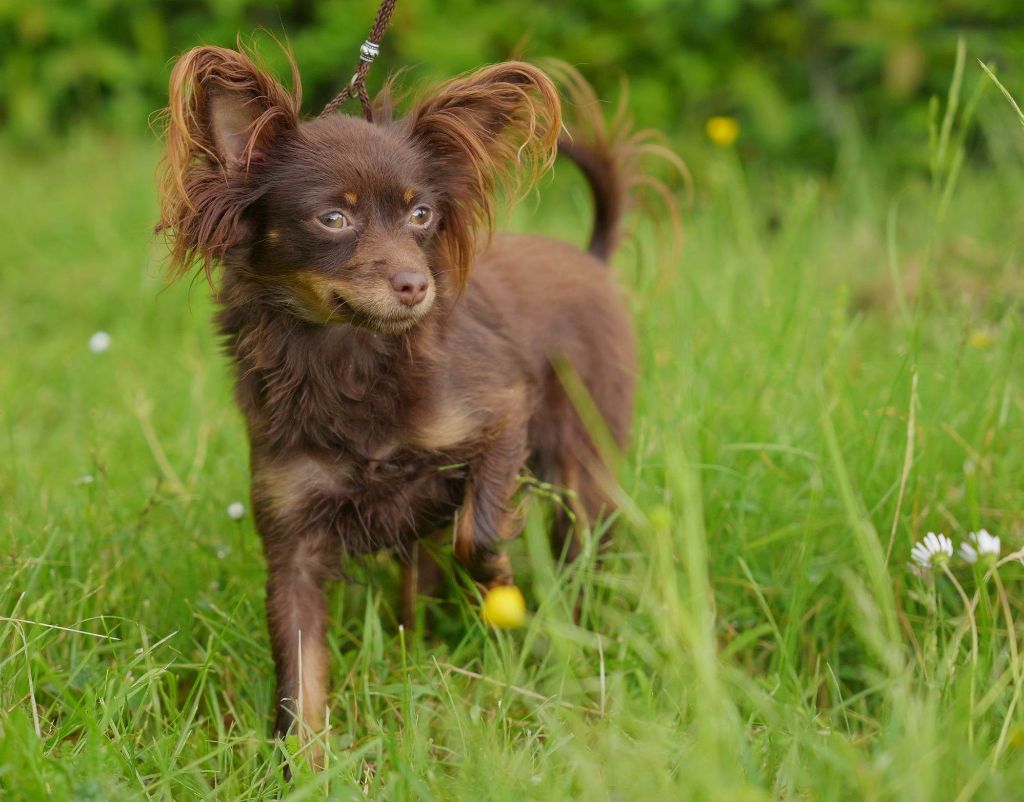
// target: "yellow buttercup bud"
[[504, 607], [980, 339], [723, 131]]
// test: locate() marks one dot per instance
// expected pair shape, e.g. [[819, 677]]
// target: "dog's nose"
[[411, 288]]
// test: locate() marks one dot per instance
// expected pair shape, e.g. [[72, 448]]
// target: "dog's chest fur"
[[346, 436]]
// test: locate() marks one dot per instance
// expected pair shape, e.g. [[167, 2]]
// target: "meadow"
[[831, 370]]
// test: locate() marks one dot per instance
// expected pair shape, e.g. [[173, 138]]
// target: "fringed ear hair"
[[492, 130], [224, 115]]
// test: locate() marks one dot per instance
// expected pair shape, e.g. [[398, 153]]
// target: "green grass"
[[753, 633]]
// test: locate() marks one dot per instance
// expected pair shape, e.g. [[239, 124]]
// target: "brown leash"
[[367, 53]]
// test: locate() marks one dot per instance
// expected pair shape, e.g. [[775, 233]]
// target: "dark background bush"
[[796, 74]]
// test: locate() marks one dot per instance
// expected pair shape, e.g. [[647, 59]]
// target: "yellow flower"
[[980, 339], [723, 131], [504, 607]]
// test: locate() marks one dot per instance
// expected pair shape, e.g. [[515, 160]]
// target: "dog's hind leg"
[[585, 484], [569, 460]]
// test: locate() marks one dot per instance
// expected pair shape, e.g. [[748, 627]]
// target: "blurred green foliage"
[[797, 74]]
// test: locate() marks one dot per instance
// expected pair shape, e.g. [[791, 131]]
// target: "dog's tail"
[[611, 156]]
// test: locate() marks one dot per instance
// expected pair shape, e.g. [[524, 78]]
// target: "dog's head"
[[340, 219]]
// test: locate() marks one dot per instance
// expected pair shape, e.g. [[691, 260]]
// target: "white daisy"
[[99, 342], [236, 510], [932, 552], [980, 544]]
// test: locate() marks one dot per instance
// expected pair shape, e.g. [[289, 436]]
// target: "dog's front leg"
[[421, 576], [297, 619], [485, 518]]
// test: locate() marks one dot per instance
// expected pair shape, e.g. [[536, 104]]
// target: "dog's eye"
[[421, 216], [334, 220]]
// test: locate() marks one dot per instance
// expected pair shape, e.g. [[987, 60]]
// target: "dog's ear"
[[225, 114], [494, 129]]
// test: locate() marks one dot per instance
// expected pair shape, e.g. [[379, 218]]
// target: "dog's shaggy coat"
[[397, 367]]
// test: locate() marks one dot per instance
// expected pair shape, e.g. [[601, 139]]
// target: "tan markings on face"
[[351, 198], [322, 296], [409, 194], [320, 293], [323, 288], [285, 487], [273, 235]]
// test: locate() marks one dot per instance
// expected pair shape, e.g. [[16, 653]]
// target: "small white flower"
[[99, 342], [84, 480], [980, 544], [987, 544], [236, 510], [932, 552]]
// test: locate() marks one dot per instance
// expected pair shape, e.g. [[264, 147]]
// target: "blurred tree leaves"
[[793, 71]]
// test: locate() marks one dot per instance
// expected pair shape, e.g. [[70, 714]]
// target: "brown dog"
[[396, 372]]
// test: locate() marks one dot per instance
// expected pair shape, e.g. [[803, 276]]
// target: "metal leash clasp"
[[368, 51]]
